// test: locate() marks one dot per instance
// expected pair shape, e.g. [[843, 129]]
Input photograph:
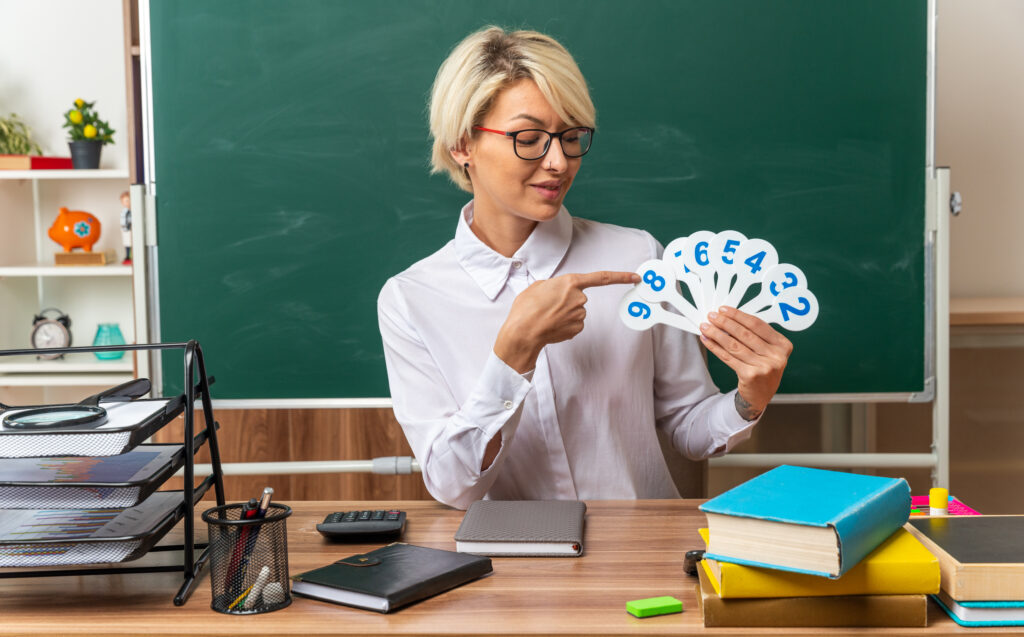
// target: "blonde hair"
[[479, 67]]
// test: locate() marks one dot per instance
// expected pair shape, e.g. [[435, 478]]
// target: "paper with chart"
[[705, 271], [22, 530], [81, 482]]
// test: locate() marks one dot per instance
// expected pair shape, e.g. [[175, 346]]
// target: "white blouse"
[[581, 425]]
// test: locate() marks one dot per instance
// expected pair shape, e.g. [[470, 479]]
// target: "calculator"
[[363, 526]]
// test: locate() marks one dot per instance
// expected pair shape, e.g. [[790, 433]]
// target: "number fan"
[[707, 270]]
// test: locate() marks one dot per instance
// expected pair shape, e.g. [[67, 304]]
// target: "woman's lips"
[[548, 191]]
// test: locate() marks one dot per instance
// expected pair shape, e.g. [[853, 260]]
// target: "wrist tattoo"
[[745, 409]]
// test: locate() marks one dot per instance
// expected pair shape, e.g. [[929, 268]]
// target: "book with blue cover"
[[996, 613], [805, 520]]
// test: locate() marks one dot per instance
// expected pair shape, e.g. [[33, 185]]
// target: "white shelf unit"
[[89, 295]]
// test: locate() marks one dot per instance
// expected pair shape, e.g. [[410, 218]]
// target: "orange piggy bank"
[[75, 229]]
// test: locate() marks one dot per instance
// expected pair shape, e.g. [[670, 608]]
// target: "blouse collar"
[[543, 250]]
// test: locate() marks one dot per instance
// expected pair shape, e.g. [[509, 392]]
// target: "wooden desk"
[[633, 549]]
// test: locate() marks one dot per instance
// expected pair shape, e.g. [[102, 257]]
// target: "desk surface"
[[633, 550], [986, 311]]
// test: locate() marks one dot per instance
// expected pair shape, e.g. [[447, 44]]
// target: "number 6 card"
[[717, 269]]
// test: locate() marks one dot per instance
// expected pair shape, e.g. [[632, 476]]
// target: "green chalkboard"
[[291, 151]]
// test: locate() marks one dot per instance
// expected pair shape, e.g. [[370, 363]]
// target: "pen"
[[250, 533], [238, 554], [268, 492]]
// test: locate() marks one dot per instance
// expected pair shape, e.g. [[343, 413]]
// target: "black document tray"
[[88, 493], [96, 550], [105, 440]]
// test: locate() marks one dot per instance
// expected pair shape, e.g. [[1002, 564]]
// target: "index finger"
[[605, 277]]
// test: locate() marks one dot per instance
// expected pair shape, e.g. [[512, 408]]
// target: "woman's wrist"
[[746, 410], [519, 354]]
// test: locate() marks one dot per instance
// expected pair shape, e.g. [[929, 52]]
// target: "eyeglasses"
[[532, 143]]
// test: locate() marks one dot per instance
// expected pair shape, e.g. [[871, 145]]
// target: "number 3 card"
[[706, 270]]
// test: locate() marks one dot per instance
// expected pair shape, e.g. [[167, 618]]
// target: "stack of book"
[[982, 562], [801, 547]]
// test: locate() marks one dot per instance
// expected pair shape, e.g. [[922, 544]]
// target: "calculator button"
[[378, 515], [349, 517], [365, 515]]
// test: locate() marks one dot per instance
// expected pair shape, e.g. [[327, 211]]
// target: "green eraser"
[[654, 606]]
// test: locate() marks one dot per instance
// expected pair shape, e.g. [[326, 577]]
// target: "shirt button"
[[508, 404], [516, 265]]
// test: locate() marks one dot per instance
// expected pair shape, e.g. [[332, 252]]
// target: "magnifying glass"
[[86, 412]]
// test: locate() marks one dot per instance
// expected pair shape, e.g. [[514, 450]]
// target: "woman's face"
[[504, 184]]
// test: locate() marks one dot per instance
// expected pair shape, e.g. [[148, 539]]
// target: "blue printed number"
[[700, 253], [790, 282], [805, 307], [754, 262], [730, 247], [656, 282], [641, 310]]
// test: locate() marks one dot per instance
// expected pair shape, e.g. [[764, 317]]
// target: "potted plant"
[[16, 138], [88, 134]]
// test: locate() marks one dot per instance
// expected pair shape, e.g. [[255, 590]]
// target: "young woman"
[[510, 371]]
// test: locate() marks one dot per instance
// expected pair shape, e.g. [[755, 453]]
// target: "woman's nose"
[[555, 159]]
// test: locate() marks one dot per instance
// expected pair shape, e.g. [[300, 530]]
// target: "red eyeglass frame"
[[551, 136]]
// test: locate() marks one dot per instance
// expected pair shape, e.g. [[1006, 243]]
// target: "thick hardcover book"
[[390, 577], [1007, 613], [805, 520], [815, 612], [522, 528], [900, 565], [981, 556]]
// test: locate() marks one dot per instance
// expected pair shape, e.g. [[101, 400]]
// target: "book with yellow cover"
[[900, 565]]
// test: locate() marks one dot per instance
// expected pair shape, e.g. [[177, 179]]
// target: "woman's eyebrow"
[[527, 116]]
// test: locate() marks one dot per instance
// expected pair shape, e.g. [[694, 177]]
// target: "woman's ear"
[[462, 153]]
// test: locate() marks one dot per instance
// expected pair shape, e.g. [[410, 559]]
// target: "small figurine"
[[75, 229], [126, 227]]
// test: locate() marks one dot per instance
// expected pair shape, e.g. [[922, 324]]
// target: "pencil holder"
[[248, 560]]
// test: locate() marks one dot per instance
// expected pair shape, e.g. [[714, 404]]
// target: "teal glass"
[[108, 334]]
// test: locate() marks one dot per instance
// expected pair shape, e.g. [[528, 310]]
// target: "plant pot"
[[85, 153]]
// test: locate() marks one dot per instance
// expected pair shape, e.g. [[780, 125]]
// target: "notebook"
[[537, 528], [390, 577]]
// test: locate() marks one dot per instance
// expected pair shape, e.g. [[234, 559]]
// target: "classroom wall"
[[55, 51], [980, 134], [51, 53]]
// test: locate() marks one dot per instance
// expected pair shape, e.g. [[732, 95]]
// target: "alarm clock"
[[51, 332]]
